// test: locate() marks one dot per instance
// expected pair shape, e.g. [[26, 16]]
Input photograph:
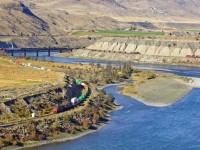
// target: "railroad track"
[[50, 115], [35, 119]]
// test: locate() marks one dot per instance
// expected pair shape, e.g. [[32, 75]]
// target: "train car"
[[81, 97], [68, 106], [74, 100], [83, 84], [84, 92], [12, 61], [79, 82], [18, 63], [197, 56], [86, 87], [58, 109], [190, 56]]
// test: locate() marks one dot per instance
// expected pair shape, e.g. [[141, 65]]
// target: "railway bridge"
[[25, 51]]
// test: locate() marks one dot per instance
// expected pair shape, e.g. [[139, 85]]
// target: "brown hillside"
[[47, 23], [182, 10]]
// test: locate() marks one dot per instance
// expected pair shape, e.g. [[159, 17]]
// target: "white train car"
[[74, 100]]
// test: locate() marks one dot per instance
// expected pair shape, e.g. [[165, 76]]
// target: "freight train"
[[74, 101], [192, 56]]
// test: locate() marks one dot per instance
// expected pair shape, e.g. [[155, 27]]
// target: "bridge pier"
[[12, 53], [37, 53], [49, 52], [24, 53], [60, 50]]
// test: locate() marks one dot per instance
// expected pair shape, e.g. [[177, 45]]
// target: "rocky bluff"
[[146, 50]]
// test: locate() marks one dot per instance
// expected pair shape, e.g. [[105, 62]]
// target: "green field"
[[117, 33], [194, 30]]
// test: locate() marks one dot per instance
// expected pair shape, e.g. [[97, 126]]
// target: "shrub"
[[130, 88], [95, 118], [27, 57]]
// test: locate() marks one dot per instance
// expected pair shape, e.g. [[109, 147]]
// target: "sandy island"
[[163, 91]]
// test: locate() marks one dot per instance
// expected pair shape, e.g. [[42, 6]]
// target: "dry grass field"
[[13, 75]]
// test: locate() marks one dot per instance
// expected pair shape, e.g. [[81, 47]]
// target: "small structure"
[[42, 68], [127, 29], [33, 115]]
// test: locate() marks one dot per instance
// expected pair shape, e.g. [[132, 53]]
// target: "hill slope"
[[30, 25], [170, 9], [48, 22]]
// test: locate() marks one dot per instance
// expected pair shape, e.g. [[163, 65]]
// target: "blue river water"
[[140, 127], [180, 70]]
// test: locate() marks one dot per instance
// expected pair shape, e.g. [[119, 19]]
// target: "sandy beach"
[[195, 82]]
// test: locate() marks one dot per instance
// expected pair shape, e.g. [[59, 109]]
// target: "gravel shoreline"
[[99, 126], [73, 137]]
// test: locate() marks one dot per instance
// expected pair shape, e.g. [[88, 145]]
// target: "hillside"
[[19, 18], [29, 25], [50, 23], [130, 10]]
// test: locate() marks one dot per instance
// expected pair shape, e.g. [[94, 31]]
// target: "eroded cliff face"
[[145, 50], [148, 47]]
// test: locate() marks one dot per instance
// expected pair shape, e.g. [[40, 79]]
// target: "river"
[[141, 127]]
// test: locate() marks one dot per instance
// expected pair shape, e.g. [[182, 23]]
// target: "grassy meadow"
[[120, 33]]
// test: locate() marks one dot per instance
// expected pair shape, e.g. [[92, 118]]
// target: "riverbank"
[[86, 115], [160, 91], [116, 84], [65, 136], [144, 59], [61, 138]]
